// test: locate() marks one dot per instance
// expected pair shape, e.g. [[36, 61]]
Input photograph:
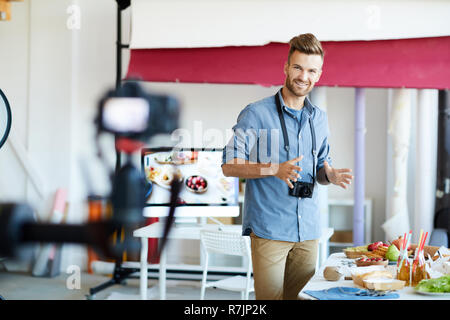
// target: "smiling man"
[[280, 146]]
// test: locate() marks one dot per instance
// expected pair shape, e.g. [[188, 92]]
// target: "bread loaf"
[[359, 279], [332, 274]]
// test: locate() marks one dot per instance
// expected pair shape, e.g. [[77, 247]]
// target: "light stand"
[[120, 273]]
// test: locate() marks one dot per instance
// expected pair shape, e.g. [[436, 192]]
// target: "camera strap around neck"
[[286, 138]]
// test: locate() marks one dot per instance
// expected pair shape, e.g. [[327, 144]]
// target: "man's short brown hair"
[[306, 43]]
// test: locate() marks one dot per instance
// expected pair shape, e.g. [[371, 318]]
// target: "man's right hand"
[[287, 171]]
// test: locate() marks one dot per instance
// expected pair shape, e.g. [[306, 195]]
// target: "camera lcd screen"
[[198, 170], [122, 115]]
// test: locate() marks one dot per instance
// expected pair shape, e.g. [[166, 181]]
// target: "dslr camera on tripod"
[[133, 116], [130, 112]]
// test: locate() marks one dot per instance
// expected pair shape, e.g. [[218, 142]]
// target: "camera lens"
[[306, 192]]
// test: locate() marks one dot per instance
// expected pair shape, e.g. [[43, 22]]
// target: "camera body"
[[302, 189], [130, 112]]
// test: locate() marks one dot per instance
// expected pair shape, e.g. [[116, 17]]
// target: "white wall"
[[54, 77], [14, 83]]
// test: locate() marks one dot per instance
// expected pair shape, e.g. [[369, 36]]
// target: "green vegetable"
[[441, 284], [392, 253]]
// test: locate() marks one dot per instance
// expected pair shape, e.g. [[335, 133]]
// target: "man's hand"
[[338, 177], [287, 171]]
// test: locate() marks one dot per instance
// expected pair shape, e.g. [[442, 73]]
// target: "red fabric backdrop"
[[409, 63]]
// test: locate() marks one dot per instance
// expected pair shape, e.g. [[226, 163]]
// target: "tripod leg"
[[115, 280], [101, 287]]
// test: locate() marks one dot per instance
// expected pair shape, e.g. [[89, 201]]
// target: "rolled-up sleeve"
[[242, 144]]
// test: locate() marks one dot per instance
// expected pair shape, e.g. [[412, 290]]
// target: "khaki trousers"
[[280, 268]]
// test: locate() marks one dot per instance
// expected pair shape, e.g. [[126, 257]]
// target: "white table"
[[318, 282], [156, 230]]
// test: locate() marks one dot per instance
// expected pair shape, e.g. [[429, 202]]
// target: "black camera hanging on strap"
[[300, 189]]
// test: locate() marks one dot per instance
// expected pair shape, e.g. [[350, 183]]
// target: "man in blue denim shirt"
[[284, 229]]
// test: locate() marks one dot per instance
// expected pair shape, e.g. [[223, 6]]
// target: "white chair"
[[229, 243]]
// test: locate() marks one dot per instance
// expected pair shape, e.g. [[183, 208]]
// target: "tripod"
[[123, 180], [118, 277], [120, 273]]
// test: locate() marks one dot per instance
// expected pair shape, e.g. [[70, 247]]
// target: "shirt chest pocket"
[[305, 141], [305, 149]]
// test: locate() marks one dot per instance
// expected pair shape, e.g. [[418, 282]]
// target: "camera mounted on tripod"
[[133, 116], [130, 112]]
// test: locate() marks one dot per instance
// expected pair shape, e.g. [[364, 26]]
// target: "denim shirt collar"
[[307, 106]]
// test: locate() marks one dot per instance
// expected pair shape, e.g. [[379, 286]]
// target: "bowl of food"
[[196, 184], [167, 175], [152, 173], [371, 261]]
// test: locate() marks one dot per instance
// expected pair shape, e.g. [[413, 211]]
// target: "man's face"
[[302, 72]]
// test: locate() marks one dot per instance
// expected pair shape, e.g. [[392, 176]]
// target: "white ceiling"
[[216, 23]]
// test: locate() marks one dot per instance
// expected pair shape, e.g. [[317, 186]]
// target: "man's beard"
[[299, 92]]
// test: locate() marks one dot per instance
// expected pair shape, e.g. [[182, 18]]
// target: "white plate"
[[442, 294], [158, 179]]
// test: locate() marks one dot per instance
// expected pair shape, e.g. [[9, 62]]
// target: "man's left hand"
[[339, 177]]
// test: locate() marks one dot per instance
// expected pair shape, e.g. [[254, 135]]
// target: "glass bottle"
[[419, 273], [404, 271]]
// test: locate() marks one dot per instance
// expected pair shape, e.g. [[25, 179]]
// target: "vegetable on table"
[[441, 285]]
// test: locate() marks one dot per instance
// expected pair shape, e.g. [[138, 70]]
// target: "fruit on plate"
[[399, 242], [392, 253], [196, 184], [152, 173], [368, 261], [374, 246]]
